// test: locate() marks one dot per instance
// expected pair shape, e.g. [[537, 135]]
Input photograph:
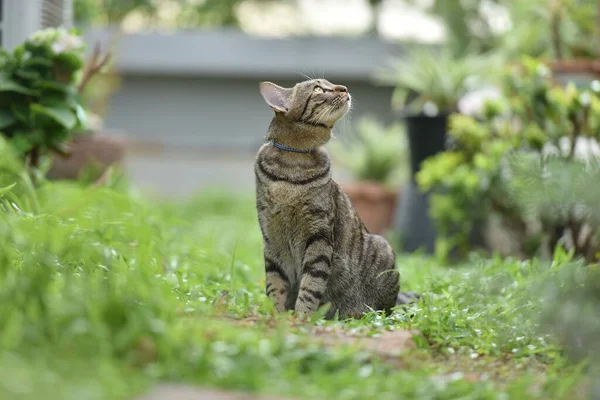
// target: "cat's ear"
[[276, 97]]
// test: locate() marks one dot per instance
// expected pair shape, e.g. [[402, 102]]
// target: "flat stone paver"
[[386, 343], [183, 392]]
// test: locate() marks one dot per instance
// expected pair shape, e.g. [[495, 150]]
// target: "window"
[[52, 13], [20, 18], [1, 20]]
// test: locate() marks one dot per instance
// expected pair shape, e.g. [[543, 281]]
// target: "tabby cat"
[[316, 248]]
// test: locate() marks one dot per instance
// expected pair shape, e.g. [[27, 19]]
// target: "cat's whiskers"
[[347, 118], [306, 75], [344, 121], [320, 114], [325, 112]]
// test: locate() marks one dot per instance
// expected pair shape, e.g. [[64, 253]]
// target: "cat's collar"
[[290, 149]]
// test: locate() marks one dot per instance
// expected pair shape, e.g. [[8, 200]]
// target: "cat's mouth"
[[344, 104], [348, 100], [336, 108], [342, 100], [339, 106]]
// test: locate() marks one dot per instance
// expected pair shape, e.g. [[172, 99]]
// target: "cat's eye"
[[318, 89]]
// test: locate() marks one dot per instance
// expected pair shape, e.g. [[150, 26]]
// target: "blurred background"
[[184, 89]]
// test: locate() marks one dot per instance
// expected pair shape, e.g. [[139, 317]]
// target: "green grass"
[[104, 294]]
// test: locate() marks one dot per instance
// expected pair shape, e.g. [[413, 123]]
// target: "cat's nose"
[[340, 88]]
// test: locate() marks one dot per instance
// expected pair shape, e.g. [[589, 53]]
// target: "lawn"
[[104, 294]]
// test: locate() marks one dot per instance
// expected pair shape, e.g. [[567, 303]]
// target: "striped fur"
[[316, 248]]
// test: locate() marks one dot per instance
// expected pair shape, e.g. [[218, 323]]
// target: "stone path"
[[182, 392], [387, 345]]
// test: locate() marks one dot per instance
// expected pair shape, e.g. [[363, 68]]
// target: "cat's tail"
[[407, 297]]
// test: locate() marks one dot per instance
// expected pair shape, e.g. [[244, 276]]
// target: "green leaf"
[[38, 62], [81, 116], [6, 189], [18, 52], [6, 118], [28, 74], [20, 111], [55, 100], [55, 86], [63, 116], [8, 85], [70, 61], [21, 144]]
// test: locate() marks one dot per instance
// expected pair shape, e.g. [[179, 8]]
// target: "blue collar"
[[291, 150]]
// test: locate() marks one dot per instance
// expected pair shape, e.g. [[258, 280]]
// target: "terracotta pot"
[[88, 150], [374, 203], [576, 66], [579, 71]]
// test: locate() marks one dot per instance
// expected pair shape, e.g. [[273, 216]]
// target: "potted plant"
[[376, 158], [429, 84], [567, 36], [566, 32], [575, 38], [91, 151], [40, 109], [529, 161]]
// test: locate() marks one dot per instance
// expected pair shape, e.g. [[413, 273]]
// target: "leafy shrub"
[[520, 160], [40, 108], [432, 81], [562, 28], [571, 23], [570, 313]]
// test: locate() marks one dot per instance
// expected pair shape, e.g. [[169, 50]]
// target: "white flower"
[[58, 48], [430, 109], [59, 39], [66, 42], [43, 36]]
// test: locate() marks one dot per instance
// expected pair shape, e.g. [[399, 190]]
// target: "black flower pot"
[[426, 137]]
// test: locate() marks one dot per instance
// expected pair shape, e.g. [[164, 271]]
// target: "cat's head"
[[316, 102]]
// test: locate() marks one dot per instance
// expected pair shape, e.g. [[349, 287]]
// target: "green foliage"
[[39, 104], [189, 13], [573, 28], [104, 294], [468, 29], [554, 188], [109, 11], [217, 12], [375, 153], [562, 28], [432, 81], [513, 161], [17, 191], [570, 312]]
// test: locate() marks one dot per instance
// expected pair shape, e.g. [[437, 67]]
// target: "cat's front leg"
[[277, 282], [316, 269]]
